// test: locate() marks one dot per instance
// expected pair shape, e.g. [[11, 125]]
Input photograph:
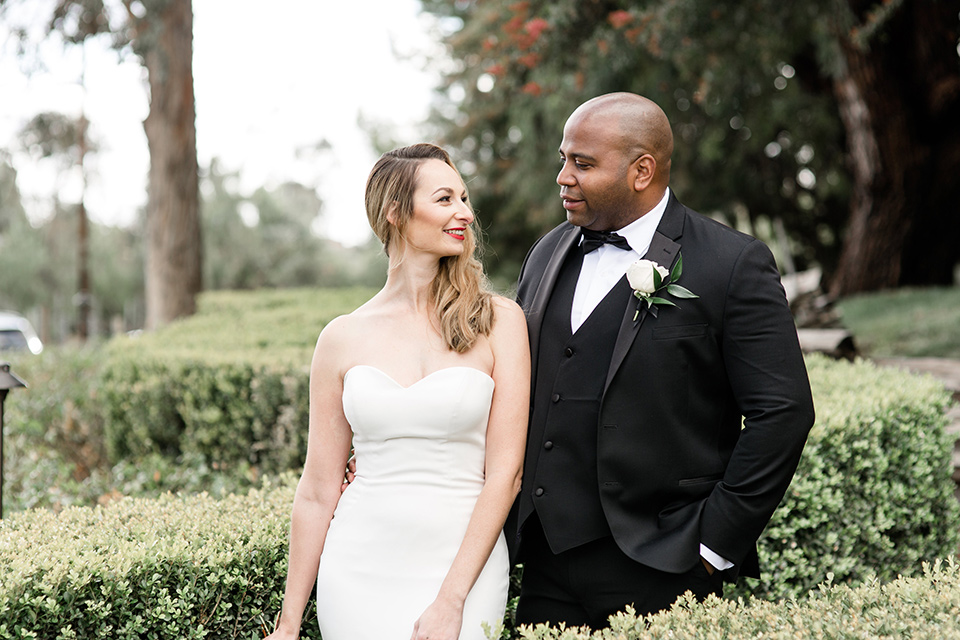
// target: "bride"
[[429, 383]]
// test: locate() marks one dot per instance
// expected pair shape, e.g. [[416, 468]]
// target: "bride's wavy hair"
[[460, 289]]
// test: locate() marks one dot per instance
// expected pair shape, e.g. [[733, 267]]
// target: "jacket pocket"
[[686, 482], [680, 331]]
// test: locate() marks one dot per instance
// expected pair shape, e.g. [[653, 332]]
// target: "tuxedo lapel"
[[550, 273], [663, 251]]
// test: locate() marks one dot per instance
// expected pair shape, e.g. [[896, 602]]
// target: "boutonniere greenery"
[[650, 282]]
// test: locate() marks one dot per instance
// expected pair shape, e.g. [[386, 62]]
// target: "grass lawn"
[[905, 322]]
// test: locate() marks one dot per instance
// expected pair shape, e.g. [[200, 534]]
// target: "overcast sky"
[[270, 84]]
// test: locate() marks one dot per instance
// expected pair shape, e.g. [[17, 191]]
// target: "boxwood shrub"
[[229, 385], [196, 567], [214, 401], [142, 568], [872, 500], [925, 607]]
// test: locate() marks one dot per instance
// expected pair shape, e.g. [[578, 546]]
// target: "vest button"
[[538, 492], [555, 397], [568, 352], [548, 445]]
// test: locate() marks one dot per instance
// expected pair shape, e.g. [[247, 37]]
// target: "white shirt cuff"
[[718, 562]]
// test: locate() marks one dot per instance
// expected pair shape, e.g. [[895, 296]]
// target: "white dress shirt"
[[602, 269]]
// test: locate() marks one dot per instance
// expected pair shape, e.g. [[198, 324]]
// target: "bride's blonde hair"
[[464, 302]]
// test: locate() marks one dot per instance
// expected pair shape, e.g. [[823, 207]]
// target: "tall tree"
[[898, 88], [756, 91], [174, 246], [160, 33]]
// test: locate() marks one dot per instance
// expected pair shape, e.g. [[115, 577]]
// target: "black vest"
[[571, 371]]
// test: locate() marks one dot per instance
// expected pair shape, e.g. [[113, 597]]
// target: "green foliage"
[[54, 428], [873, 495], [203, 568], [55, 452], [211, 403], [52, 135], [43, 259], [229, 385], [926, 607], [746, 86], [116, 273], [148, 569], [38, 266], [906, 322], [23, 256], [227, 414]]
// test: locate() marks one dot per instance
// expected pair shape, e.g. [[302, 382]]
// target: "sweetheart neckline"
[[432, 373]]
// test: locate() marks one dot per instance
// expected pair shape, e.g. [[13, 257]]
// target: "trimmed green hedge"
[[229, 413], [229, 385], [144, 569], [211, 402], [922, 608], [141, 569]]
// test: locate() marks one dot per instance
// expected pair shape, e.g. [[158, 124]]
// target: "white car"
[[16, 333]]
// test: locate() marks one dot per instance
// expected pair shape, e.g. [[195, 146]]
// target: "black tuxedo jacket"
[[706, 405]]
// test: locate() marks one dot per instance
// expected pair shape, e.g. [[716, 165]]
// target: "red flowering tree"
[[822, 127]]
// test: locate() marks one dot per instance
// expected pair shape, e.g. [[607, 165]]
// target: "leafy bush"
[[203, 568], [262, 328], [926, 607], [873, 495], [148, 569], [211, 402], [54, 428], [230, 384], [55, 453], [228, 414]]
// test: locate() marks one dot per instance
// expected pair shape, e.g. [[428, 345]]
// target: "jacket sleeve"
[[768, 379]]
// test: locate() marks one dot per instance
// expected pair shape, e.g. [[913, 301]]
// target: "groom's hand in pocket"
[[709, 567]]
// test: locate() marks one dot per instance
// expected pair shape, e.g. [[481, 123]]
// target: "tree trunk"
[[900, 103], [174, 248]]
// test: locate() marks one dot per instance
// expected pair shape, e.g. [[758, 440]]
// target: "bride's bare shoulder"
[[347, 331], [505, 307]]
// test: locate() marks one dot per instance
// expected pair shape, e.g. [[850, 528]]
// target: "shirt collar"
[[639, 233]]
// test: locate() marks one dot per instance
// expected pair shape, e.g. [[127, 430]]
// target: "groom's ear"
[[642, 171]]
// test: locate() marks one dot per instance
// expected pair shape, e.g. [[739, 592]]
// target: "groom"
[[639, 482]]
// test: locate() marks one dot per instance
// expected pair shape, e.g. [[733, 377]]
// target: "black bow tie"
[[594, 239]]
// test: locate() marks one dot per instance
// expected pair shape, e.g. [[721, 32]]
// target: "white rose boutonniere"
[[648, 279]]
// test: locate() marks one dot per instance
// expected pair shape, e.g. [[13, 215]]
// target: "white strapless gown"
[[398, 526]]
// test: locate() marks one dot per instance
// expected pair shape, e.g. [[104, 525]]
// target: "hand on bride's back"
[[349, 474]]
